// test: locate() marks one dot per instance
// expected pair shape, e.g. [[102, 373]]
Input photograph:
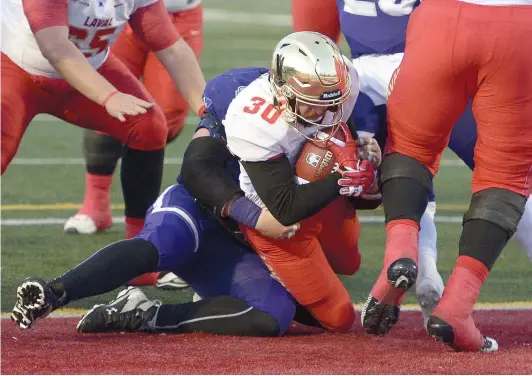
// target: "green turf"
[[45, 251]]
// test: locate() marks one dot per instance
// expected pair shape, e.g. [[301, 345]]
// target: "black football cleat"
[[442, 331], [35, 300], [377, 317], [131, 311]]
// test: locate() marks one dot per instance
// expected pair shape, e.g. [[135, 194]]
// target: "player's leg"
[[169, 239], [429, 284], [144, 137], [102, 152], [158, 82], [416, 141], [339, 236], [239, 297], [22, 99], [462, 142], [502, 177], [301, 266], [317, 15]]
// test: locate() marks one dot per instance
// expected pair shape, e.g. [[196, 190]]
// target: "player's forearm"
[[182, 65], [288, 202], [68, 60], [204, 176]]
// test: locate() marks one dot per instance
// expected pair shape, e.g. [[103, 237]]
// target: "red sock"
[[148, 279], [402, 241], [97, 194], [133, 226], [459, 297]]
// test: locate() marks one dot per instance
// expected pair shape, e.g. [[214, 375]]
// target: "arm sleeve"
[[153, 26], [204, 176], [288, 202], [45, 13]]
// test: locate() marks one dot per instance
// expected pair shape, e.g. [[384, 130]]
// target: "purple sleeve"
[[245, 211]]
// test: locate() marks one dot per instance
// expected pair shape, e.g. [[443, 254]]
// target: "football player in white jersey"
[[56, 59], [102, 151], [311, 86]]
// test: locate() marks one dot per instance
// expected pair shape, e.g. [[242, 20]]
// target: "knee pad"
[[149, 132], [397, 165], [101, 152], [406, 185], [499, 206]]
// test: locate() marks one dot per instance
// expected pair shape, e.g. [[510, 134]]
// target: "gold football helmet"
[[309, 79]]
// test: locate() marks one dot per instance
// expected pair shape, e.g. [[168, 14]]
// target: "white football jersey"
[[174, 6], [94, 27], [256, 130]]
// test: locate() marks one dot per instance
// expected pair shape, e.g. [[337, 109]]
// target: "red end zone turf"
[[54, 347]]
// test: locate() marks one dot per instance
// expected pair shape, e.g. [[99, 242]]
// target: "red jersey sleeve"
[[45, 13], [153, 26]]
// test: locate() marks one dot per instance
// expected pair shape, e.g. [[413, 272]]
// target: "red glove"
[[356, 182], [358, 176], [345, 155]]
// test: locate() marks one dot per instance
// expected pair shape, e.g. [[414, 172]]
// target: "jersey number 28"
[[390, 7]]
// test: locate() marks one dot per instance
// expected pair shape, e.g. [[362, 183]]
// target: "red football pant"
[[326, 243], [317, 15], [457, 50], [24, 96], [143, 63]]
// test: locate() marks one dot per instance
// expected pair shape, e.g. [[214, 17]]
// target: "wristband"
[[112, 94], [245, 211]]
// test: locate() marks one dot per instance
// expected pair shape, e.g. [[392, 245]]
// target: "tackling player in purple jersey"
[[239, 295]]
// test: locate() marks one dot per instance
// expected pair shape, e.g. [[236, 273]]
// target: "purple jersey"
[[375, 26]]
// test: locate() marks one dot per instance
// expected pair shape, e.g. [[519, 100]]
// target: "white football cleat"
[[170, 281], [429, 292], [83, 224], [196, 297]]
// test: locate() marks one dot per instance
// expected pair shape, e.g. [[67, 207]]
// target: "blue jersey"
[[218, 94], [375, 26], [221, 90]]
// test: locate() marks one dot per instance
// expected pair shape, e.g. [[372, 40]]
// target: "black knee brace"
[[489, 223], [405, 185], [101, 152], [499, 206]]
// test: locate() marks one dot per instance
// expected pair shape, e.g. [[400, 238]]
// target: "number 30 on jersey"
[[368, 8]]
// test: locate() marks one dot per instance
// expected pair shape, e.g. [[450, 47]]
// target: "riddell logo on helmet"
[[331, 94]]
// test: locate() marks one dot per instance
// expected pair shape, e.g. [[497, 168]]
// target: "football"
[[315, 160]]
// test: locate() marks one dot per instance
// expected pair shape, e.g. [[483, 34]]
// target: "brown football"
[[315, 160]]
